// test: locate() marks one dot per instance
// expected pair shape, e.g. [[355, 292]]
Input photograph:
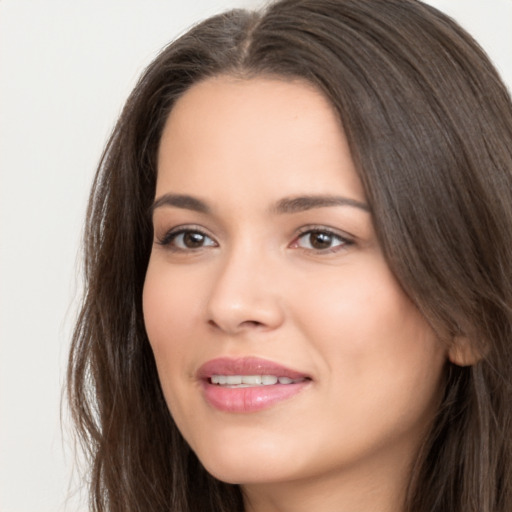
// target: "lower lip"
[[250, 399]]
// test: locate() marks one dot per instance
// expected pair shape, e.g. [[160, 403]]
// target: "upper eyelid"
[[327, 229], [185, 227], [169, 234]]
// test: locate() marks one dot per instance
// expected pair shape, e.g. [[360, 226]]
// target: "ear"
[[463, 353]]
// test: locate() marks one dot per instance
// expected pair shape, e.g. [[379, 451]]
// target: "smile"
[[251, 380], [248, 385]]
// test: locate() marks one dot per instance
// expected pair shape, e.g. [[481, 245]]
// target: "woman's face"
[[286, 349]]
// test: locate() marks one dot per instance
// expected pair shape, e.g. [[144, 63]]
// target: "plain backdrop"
[[66, 68]]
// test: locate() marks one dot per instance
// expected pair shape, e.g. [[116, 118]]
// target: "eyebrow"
[[286, 205], [180, 201], [303, 203]]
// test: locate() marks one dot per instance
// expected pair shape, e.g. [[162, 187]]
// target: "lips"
[[248, 384]]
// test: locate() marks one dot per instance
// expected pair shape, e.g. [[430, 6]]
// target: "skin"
[[256, 285]]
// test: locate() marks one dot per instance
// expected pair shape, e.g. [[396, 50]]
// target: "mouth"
[[246, 381], [248, 384]]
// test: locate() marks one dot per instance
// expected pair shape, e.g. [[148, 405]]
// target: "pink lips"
[[252, 398]]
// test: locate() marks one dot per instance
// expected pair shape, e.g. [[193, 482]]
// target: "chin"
[[244, 475], [238, 464]]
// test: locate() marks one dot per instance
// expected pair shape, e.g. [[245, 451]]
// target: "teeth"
[[268, 379], [251, 380]]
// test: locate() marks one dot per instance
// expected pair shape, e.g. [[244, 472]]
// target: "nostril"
[[246, 324], [251, 323], [213, 324]]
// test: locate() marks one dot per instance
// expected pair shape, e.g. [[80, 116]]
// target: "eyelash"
[[170, 237], [168, 240], [344, 240]]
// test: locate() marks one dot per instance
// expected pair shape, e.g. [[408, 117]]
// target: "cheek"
[[168, 308], [353, 307], [372, 337], [362, 307]]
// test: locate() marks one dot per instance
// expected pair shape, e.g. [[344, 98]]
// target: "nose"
[[244, 294]]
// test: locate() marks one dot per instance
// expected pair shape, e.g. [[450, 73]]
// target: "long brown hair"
[[429, 124]]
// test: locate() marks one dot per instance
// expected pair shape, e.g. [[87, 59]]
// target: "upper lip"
[[246, 366]]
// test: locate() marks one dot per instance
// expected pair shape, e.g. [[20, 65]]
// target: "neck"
[[380, 487]]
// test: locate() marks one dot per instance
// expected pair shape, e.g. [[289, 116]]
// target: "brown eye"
[[193, 239], [187, 239], [321, 240]]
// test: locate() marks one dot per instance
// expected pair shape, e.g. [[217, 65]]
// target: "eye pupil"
[[320, 240], [192, 239]]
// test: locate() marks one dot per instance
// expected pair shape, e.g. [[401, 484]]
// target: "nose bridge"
[[242, 295]]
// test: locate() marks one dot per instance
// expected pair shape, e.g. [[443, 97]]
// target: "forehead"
[[252, 130]]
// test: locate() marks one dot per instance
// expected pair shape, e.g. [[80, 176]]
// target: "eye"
[[187, 239], [321, 240]]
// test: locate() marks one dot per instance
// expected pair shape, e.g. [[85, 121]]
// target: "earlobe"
[[462, 352]]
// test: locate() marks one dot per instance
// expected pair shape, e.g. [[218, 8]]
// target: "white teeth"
[[251, 380], [268, 379]]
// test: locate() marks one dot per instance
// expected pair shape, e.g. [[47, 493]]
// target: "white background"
[[66, 68]]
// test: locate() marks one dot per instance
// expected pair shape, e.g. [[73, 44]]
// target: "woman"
[[298, 269]]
